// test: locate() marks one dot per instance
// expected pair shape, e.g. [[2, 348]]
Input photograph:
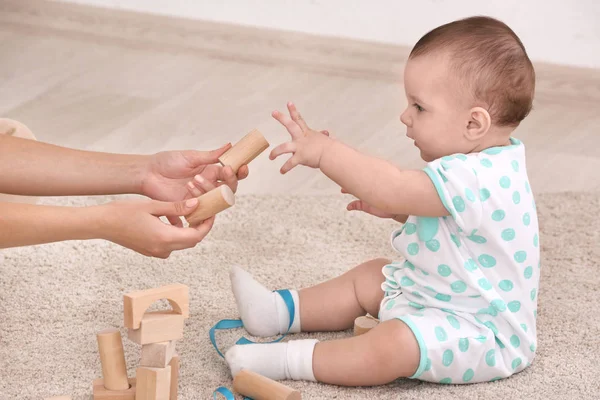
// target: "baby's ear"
[[479, 123]]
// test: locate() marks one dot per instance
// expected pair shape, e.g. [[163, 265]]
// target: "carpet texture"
[[53, 298]]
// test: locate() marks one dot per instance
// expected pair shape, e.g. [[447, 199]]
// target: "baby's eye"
[[418, 107]]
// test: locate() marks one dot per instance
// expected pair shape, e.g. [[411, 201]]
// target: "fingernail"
[[191, 202], [191, 185], [199, 178]]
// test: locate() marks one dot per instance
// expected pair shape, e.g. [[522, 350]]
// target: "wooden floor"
[[123, 82]]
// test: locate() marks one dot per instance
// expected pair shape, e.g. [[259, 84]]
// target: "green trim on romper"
[[422, 347], [438, 187]]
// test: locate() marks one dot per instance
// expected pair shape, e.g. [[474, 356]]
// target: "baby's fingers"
[[295, 114], [288, 147], [289, 164], [292, 127]]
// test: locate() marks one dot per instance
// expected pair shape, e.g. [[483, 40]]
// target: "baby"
[[460, 307]]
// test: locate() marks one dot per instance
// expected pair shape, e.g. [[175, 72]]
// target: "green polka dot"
[[498, 215], [409, 265], [416, 305], [468, 375], [413, 249], [389, 305], [444, 179], [410, 228], [470, 265], [458, 286], [524, 327], [508, 234], [441, 334], [533, 293], [515, 165], [461, 157], [506, 285], [430, 289], [484, 284], [481, 338], [486, 261], [499, 343], [427, 228], [514, 306], [443, 297], [526, 219], [528, 272], [469, 194], [535, 314], [476, 238], [489, 310], [433, 245], [428, 365], [447, 310], [495, 379], [527, 188], [499, 305], [491, 325], [532, 347], [444, 270], [486, 162], [490, 358], [406, 281], [463, 344], [520, 256], [516, 197], [505, 182], [459, 203], [445, 165], [493, 150], [446, 381], [535, 240], [484, 194], [474, 172], [448, 158], [455, 239], [516, 362], [424, 272], [417, 294], [515, 341], [447, 358]]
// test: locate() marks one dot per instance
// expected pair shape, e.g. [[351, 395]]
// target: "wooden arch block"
[[136, 303]]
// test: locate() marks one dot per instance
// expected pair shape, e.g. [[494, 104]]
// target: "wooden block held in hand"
[[112, 358], [153, 383], [364, 324], [102, 393], [259, 387], [136, 303], [157, 355], [211, 203], [244, 151], [158, 326], [174, 364]]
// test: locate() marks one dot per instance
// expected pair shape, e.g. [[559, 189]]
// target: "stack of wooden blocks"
[[157, 375]]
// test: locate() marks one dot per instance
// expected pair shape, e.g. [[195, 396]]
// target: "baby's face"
[[437, 115]]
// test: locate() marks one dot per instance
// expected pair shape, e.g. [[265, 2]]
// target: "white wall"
[[557, 31]]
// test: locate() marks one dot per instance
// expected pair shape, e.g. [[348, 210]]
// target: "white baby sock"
[[278, 361], [262, 311]]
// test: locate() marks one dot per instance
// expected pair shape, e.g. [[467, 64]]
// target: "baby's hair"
[[490, 60]]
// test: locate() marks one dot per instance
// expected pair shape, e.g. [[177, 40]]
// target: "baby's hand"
[[360, 205], [307, 145]]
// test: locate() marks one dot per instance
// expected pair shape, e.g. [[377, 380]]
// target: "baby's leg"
[[14, 128], [329, 306], [385, 353]]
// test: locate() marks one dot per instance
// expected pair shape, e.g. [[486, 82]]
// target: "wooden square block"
[[153, 383], [101, 393], [174, 376], [159, 326], [157, 355], [136, 303]]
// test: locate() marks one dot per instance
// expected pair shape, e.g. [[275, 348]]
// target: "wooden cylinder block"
[[364, 324], [112, 358], [211, 203], [244, 151], [259, 387]]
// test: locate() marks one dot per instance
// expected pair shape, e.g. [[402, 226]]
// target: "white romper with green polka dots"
[[468, 285]]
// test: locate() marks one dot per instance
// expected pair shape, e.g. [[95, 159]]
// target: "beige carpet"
[[54, 298]]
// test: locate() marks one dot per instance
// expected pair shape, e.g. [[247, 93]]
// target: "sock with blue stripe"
[[262, 311]]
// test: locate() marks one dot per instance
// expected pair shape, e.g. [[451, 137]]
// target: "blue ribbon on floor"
[[237, 323]]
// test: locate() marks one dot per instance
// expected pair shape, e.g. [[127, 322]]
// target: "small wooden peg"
[[244, 151], [259, 387], [112, 358], [211, 203], [364, 324]]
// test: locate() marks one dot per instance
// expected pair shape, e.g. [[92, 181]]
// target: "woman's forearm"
[[26, 224], [34, 168]]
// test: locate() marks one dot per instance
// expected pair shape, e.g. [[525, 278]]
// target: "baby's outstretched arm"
[[375, 181]]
